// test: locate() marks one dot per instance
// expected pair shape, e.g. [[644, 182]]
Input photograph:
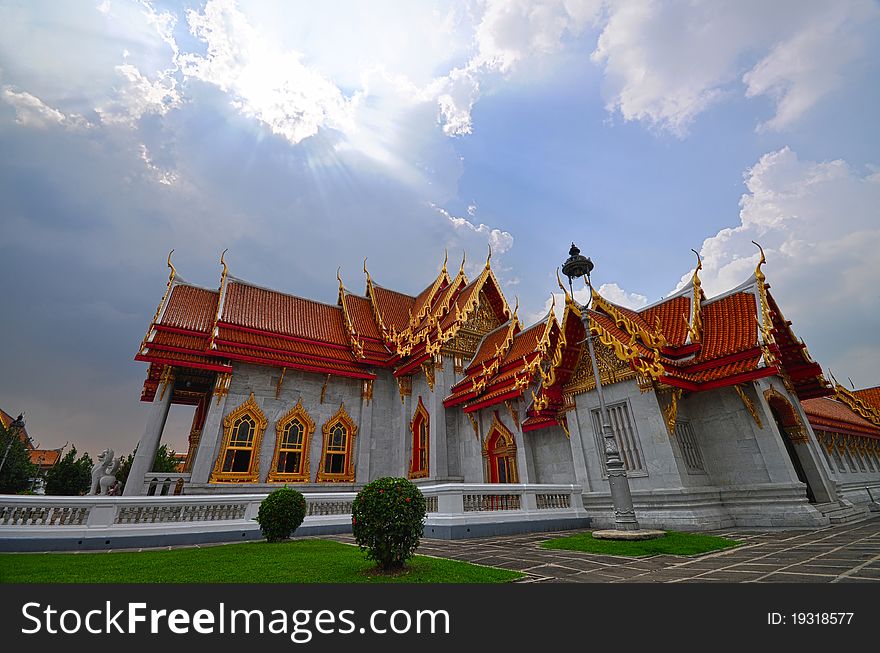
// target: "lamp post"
[[621, 500], [14, 430]]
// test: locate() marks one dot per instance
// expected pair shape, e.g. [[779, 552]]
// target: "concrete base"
[[641, 534], [780, 505]]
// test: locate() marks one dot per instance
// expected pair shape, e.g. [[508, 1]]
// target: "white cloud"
[[819, 224], [614, 293], [610, 291], [31, 111], [501, 241], [665, 63], [273, 86], [162, 175], [138, 96]]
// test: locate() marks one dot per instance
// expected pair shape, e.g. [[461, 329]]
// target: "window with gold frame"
[[420, 429], [499, 450], [337, 464], [290, 463], [239, 457]]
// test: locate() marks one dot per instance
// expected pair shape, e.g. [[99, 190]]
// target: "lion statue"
[[104, 472]]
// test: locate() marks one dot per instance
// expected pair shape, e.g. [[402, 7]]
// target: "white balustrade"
[[23, 516]]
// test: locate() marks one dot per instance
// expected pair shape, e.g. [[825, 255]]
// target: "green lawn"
[[296, 561], [674, 543]]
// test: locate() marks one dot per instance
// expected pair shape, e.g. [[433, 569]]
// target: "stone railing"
[[161, 484], [457, 498], [154, 520]]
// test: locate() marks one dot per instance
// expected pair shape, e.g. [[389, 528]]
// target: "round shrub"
[[281, 513], [387, 518]]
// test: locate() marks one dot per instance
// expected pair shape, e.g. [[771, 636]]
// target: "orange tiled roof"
[[828, 414], [672, 324], [394, 307], [524, 342], [45, 458], [178, 340], [361, 314], [729, 326], [491, 341], [233, 338], [164, 356], [870, 396], [293, 360], [190, 308], [267, 310], [8, 419]]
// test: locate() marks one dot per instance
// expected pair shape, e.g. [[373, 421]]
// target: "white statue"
[[104, 472]]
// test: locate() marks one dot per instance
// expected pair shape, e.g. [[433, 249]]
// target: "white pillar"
[[364, 439], [149, 442], [438, 454], [576, 441], [209, 442], [405, 447]]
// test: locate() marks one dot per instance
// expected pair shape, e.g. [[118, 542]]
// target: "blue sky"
[[305, 136]]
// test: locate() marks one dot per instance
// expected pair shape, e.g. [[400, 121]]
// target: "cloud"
[[665, 63], [31, 111], [265, 83], [500, 241], [139, 96], [819, 224], [610, 291]]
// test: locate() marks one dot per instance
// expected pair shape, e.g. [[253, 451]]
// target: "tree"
[[164, 462], [18, 470], [71, 475]]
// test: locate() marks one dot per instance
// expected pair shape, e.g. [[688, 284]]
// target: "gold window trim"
[[423, 413], [347, 475], [509, 449], [297, 413], [249, 408]]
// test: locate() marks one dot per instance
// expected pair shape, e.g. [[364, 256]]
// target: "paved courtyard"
[[838, 553]]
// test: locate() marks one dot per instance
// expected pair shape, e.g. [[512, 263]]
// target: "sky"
[[306, 136]]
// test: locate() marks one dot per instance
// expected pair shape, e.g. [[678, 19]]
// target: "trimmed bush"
[[281, 513], [387, 519]]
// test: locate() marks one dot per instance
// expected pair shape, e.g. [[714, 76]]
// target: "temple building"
[[721, 416]]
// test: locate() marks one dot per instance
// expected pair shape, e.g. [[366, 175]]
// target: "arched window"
[[336, 457], [420, 429], [290, 464], [239, 459], [500, 453]]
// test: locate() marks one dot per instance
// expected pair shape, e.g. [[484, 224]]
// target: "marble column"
[[209, 442], [149, 442], [438, 454], [364, 440], [578, 457]]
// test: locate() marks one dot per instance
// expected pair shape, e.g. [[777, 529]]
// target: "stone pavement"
[[838, 553]]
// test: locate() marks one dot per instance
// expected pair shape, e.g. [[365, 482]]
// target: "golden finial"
[[699, 261], [836, 383], [515, 307], [758, 273], [445, 259], [552, 302], [489, 258], [339, 277], [568, 298], [171, 266], [367, 272], [463, 259], [223, 262]]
